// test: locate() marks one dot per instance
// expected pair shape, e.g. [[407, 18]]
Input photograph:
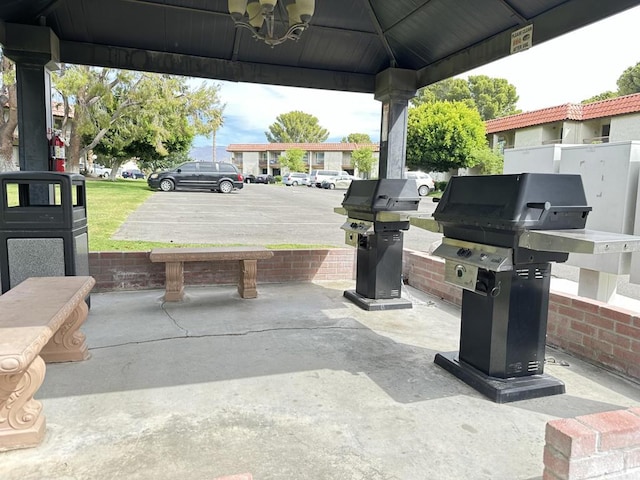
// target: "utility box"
[[43, 226], [610, 174], [538, 159], [635, 257]]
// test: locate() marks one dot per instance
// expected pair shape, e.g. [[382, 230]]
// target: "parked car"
[[340, 182], [317, 176], [424, 182], [132, 174], [215, 176], [295, 179], [100, 171], [264, 178], [249, 178]]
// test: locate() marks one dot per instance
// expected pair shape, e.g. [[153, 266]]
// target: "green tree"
[[208, 112], [443, 135], [106, 100], [356, 138], [601, 96], [158, 124], [447, 90], [296, 127], [363, 160], [492, 97], [489, 162], [629, 81], [293, 160], [9, 109]]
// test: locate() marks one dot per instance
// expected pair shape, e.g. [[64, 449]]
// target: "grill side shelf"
[[579, 241]]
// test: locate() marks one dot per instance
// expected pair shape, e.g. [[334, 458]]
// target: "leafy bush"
[[440, 186], [278, 178]]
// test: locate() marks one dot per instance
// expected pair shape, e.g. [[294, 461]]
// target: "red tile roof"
[[568, 111], [313, 147]]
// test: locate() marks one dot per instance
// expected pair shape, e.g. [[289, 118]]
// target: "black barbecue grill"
[[506, 285], [374, 225]]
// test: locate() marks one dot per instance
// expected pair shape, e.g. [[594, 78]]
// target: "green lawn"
[[109, 203]]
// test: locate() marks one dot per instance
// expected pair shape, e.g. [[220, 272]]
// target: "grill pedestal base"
[[500, 390], [374, 304]]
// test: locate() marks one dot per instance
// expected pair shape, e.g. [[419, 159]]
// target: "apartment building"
[[612, 120], [264, 158]]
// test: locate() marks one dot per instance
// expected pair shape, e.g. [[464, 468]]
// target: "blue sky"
[[569, 68]]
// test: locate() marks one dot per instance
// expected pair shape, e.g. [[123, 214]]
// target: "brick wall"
[[594, 331], [602, 446], [133, 270]]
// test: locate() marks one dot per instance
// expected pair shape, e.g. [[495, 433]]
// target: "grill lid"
[[383, 195], [527, 201]]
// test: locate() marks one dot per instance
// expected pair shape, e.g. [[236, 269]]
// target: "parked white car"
[[340, 182], [424, 182], [100, 171]]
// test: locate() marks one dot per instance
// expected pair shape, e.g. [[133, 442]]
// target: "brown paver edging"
[[594, 331]]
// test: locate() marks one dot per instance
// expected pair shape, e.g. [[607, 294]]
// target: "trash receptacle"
[[43, 226]]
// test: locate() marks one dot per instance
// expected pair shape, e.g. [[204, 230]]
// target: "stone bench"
[[174, 259], [39, 322]]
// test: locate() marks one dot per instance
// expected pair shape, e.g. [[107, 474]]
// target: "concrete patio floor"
[[296, 384]]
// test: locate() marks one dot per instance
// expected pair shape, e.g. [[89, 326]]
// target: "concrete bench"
[[39, 322], [174, 259]]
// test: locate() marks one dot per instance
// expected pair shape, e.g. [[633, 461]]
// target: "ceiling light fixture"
[[264, 18]]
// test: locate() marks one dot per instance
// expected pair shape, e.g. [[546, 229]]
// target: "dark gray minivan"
[[216, 176]]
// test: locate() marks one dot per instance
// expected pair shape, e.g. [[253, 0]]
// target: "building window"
[[319, 159]]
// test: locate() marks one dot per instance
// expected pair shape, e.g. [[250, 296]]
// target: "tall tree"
[[443, 136], [107, 100], [492, 97], [296, 127], [447, 90], [357, 138], [98, 97], [362, 159], [157, 126], [629, 81], [9, 109], [293, 159], [208, 112]]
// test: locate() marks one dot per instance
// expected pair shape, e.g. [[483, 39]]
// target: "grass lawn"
[[109, 203]]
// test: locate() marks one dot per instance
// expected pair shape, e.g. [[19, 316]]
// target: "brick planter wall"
[[594, 331], [601, 446], [133, 270]]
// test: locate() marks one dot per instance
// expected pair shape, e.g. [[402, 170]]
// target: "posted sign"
[[522, 39]]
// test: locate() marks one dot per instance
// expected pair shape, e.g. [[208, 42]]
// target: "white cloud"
[[252, 108]]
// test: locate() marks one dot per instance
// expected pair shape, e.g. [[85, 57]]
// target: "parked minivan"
[[295, 179], [216, 176], [317, 176]]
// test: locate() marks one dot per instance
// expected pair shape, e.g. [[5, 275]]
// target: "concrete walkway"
[[296, 384]]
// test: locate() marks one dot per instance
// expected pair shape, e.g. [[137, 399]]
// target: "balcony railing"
[[596, 140]]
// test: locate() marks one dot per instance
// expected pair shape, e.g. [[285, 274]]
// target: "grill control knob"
[[483, 256], [460, 270]]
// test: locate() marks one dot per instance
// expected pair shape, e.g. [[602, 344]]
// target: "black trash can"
[[43, 226]]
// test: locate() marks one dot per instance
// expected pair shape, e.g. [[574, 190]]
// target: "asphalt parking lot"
[[272, 215], [258, 214]]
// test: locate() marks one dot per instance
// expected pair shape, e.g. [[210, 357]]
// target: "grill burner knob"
[[464, 252], [460, 270]]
